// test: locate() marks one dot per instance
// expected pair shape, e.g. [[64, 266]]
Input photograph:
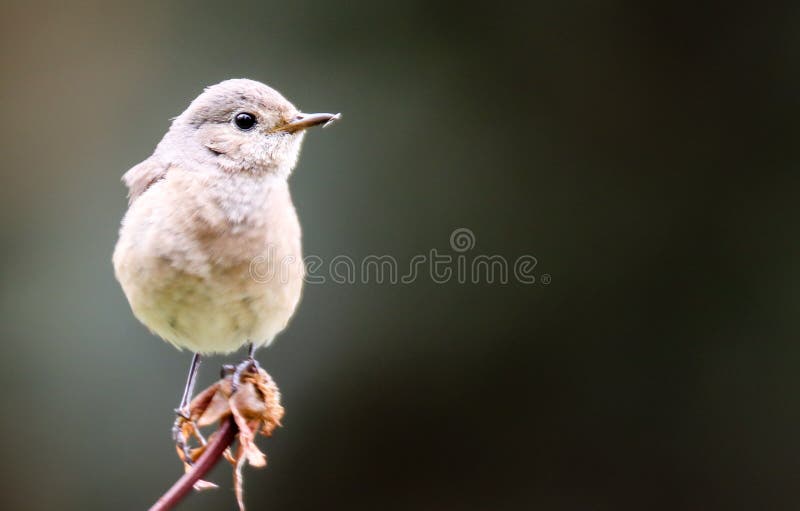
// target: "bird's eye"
[[244, 121]]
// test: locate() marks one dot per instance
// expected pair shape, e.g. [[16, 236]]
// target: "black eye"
[[244, 121]]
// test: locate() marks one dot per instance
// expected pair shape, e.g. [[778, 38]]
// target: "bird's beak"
[[303, 121]]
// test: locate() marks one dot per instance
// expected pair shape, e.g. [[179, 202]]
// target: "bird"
[[211, 200]]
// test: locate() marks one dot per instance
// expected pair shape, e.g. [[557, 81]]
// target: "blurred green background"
[[645, 154]]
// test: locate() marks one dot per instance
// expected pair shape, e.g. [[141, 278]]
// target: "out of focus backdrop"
[[645, 155]]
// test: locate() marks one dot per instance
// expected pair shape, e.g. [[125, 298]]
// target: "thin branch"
[[212, 454]]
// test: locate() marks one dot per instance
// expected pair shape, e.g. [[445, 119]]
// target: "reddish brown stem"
[[212, 454]]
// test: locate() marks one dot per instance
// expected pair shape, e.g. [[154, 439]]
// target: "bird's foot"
[[183, 429], [249, 364], [180, 437]]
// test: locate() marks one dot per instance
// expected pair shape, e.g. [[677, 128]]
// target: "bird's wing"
[[139, 178]]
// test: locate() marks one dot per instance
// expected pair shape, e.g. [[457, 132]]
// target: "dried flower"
[[255, 406]]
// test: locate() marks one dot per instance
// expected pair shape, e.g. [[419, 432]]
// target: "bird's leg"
[[183, 412], [183, 409], [251, 352], [247, 364]]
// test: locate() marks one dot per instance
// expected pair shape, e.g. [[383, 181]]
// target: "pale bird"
[[212, 199]]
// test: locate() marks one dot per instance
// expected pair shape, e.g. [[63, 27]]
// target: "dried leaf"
[[216, 410], [256, 408], [201, 485], [238, 482]]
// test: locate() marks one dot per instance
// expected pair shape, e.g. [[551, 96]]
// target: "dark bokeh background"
[[645, 154]]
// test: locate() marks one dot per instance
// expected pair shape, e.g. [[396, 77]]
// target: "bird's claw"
[[179, 437], [249, 364]]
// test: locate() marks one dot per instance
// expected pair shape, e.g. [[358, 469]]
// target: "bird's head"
[[243, 125]]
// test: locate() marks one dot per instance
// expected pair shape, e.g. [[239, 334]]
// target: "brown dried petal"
[[248, 402], [217, 409], [202, 485], [201, 401], [238, 480], [246, 439]]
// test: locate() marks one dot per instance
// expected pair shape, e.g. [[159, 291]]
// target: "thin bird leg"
[[183, 409], [251, 351], [183, 412], [247, 364]]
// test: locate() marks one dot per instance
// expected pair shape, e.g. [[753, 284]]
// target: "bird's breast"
[[221, 265]]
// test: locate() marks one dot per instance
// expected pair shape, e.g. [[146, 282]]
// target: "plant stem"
[[212, 454]]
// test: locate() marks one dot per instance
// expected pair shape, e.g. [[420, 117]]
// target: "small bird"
[[212, 199]]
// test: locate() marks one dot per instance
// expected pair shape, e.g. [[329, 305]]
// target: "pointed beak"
[[303, 121]]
